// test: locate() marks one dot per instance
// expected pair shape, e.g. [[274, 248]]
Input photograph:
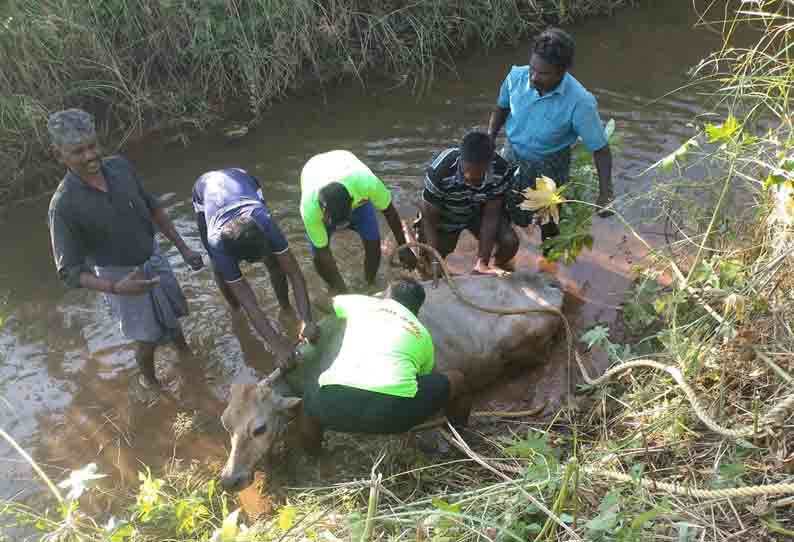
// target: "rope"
[[502, 414], [645, 483], [679, 489], [774, 418]]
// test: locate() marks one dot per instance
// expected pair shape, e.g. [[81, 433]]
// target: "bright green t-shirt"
[[384, 349], [342, 167]]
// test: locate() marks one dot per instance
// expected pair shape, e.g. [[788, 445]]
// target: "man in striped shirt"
[[464, 190]]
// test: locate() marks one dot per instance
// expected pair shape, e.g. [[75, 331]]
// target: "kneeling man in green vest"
[[382, 380]]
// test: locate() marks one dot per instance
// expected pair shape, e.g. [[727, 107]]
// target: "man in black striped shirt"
[[464, 190]]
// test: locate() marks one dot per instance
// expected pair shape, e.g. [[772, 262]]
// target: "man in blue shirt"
[[545, 110], [235, 225]]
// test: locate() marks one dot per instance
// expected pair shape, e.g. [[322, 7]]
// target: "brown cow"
[[480, 344]]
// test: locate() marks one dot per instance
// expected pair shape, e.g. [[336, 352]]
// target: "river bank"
[[181, 66]]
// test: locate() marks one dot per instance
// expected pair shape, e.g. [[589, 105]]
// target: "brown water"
[[66, 392]]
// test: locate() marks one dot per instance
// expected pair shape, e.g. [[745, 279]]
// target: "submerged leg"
[[372, 253], [311, 434], [180, 342], [144, 356]]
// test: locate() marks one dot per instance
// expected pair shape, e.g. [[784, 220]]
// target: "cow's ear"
[[288, 403]]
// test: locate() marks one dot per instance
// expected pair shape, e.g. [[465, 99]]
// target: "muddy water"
[[66, 387]]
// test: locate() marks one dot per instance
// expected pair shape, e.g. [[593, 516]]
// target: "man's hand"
[[193, 259], [309, 332], [604, 200], [408, 259], [285, 355], [134, 284], [482, 268]]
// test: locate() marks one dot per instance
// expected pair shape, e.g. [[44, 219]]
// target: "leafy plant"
[[599, 336], [576, 215]]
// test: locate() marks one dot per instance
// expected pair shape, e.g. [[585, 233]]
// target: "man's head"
[[74, 141], [336, 203], [476, 153], [551, 56], [243, 239], [408, 292]]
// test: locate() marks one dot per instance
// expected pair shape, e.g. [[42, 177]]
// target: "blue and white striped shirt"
[[458, 202]]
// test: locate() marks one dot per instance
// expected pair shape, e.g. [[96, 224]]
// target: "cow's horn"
[[270, 379]]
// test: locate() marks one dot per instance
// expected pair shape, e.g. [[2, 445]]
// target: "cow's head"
[[256, 419]]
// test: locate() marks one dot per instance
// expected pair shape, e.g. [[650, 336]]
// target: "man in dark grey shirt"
[[102, 225]]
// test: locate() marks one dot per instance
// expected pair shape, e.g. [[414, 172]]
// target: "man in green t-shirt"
[[337, 192], [381, 380]]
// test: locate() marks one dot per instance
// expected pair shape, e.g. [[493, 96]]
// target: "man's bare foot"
[[508, 266]]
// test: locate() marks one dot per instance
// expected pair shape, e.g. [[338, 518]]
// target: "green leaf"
[[355, 522], [122, 533], [598, 335], [610, 500], [602, 523], [531, 446], [732, 470], [667, 163], [773, 180], [444, 506], [638, 522], [637, 471], [719, 133]]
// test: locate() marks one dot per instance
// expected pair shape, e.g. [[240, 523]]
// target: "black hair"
[[335, 199], [476, 148], [555, 46], [244, 239], [408, 292]]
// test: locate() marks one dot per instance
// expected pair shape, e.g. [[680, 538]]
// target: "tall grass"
[[140, 64]]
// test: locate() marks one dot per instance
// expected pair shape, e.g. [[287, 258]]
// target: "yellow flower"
[[544, 200]]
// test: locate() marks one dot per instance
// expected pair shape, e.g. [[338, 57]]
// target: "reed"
[[141, 64]]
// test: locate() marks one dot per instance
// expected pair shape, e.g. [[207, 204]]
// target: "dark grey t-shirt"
[[90, 227]]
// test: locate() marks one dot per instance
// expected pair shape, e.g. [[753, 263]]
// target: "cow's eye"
[[260, 430]]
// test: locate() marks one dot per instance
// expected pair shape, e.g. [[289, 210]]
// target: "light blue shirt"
[[539, 126]]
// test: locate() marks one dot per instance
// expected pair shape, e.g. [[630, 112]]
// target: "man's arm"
[[245, 295], [603, 163], [496, 121], [431, 219], [407, 257], [74, 272], [326, 266], [489, 228], [289, 265], [163, 222]]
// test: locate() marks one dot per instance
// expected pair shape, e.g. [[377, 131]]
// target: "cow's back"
[[480, 343]]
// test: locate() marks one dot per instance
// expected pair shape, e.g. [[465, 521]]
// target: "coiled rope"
[[773, 419]]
